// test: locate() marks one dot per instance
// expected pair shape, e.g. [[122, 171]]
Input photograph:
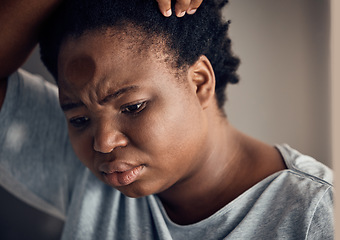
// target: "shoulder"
[[299, 200], [35, 83], [33, 125], [31, 105], [305, 192], [306, 179], [306, 202], [36, 157], [29, 93], [32, 121], [25, 90], [305, 166]]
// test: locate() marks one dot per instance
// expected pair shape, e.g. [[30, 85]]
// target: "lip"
[[120, 174]]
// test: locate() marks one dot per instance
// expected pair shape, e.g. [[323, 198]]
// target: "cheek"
[[167, 129], [82, 146]]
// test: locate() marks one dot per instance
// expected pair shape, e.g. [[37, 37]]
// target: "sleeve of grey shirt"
[[37, 163]]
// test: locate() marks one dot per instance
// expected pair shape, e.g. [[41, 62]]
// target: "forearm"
[[21, 22]]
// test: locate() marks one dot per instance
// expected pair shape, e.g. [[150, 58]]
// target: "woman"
[[143, 97]]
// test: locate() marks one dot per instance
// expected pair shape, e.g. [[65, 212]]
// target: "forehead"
[[123, 41], [114, 47], [119, 54], [110, 44]]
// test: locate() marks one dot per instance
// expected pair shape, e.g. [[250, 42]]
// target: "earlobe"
[[203, 77]]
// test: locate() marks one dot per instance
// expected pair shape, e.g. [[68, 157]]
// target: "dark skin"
[[178, 145]]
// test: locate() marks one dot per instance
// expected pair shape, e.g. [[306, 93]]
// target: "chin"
[[135, 190]]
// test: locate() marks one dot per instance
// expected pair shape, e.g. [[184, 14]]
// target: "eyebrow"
[[118, 93], [69, 106]]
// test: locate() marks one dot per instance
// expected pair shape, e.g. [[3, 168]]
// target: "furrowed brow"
[[69, 106], [118, 93]]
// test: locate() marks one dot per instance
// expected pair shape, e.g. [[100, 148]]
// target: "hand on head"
[[181, 7]]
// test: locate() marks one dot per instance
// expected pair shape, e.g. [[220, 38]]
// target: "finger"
[[193, 6], [165, 7], [181, 7]]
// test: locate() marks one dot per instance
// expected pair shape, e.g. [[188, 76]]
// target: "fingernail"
[[181, 14], [168, 13], [192, 11]]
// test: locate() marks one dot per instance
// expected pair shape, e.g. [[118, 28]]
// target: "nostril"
[[102, 149], [106, 143]]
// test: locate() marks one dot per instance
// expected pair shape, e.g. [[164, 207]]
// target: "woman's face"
[[131, 121]]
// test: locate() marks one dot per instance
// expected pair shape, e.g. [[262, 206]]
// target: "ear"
[[202, 76]]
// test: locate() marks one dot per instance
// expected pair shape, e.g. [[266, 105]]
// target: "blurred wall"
[[335, 83], [283, 95]]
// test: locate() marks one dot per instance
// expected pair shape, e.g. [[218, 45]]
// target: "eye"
[[79, 122], [134, 108]]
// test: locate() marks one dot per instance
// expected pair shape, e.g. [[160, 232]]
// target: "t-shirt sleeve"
[[37, 163], [322, 222]]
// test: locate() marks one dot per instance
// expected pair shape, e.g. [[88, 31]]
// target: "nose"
[[107, 138]]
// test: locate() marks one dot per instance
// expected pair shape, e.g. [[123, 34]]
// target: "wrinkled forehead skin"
[[128, 41], [111, 48]]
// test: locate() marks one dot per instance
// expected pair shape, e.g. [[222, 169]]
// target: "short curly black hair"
[[188, 38]]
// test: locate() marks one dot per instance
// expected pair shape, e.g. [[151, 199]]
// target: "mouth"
[[122, 178]]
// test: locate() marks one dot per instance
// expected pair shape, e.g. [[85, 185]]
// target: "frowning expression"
[[132, 121]]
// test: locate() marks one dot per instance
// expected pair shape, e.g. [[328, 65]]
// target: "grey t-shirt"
[[38, 165]]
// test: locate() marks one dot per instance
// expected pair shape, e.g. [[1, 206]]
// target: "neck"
[[234, 164]]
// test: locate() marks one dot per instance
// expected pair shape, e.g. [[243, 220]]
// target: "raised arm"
[[21, 22]]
